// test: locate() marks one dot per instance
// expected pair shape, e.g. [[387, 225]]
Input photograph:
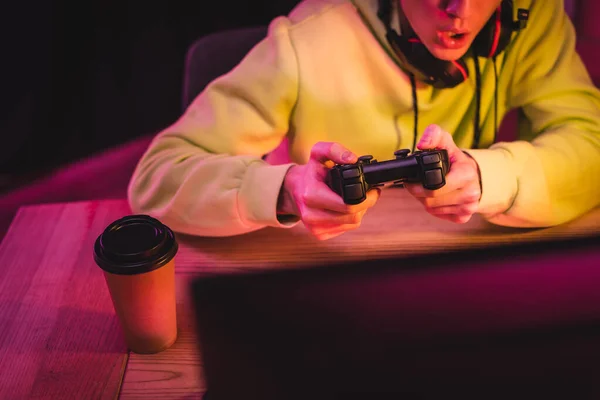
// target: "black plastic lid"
[[135, 244]]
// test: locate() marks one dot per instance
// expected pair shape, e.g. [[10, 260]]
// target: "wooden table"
[[59, 337]]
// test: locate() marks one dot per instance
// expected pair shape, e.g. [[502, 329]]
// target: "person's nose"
[[458, 8]]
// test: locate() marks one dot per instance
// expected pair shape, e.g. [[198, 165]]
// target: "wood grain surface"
[[59, 336]]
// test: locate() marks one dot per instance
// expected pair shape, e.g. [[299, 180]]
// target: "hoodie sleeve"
[[551, 175], [204, 174]]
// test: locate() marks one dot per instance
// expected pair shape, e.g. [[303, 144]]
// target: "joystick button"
[[433, 177], [353, 192], [431, 159], [351, 173], [403, 153], [366, 159]]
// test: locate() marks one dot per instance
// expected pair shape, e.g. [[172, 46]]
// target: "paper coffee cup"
[[137, 254]]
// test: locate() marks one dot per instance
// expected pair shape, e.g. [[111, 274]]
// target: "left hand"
[[458, 200]]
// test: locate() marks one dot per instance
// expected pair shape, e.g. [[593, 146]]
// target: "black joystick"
[[353, 181]]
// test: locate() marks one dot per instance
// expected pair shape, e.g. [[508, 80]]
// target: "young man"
[[339, 78]]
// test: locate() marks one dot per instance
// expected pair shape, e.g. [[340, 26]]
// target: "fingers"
[[458, 199], [459, 210], [322, 152], [322, 210], [330, 205], [462, 210], [462, 175], [372, 197], [457, 206], [455, 198], [326, 218], [326, 235], [326, 224], [319, 195], [436, 138], [457, 219], [325, 232]]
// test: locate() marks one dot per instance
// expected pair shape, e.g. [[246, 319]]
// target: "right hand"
[[306, 194]]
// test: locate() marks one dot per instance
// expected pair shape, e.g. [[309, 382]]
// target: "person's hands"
[[458, 200], [306, 194]]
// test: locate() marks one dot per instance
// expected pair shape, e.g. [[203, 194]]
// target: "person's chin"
[[446, 54]]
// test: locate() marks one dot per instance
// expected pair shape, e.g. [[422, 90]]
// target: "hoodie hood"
[[368, 11]]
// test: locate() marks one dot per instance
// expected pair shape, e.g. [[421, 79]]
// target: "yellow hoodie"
[[325, 73]]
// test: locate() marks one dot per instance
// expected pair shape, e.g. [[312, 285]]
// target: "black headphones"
[[416, 58]]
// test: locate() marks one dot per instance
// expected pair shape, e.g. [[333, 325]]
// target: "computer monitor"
[[514, 321]]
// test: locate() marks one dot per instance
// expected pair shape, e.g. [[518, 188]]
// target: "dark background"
[[80, 77]]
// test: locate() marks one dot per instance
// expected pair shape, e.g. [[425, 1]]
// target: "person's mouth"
[[453, 39]]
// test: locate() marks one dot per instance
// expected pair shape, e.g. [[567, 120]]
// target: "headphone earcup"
[[496, 33]]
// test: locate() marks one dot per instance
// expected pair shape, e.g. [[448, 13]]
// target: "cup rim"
[[164, 254]]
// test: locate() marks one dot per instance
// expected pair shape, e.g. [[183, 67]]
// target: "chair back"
[[214, 55]]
